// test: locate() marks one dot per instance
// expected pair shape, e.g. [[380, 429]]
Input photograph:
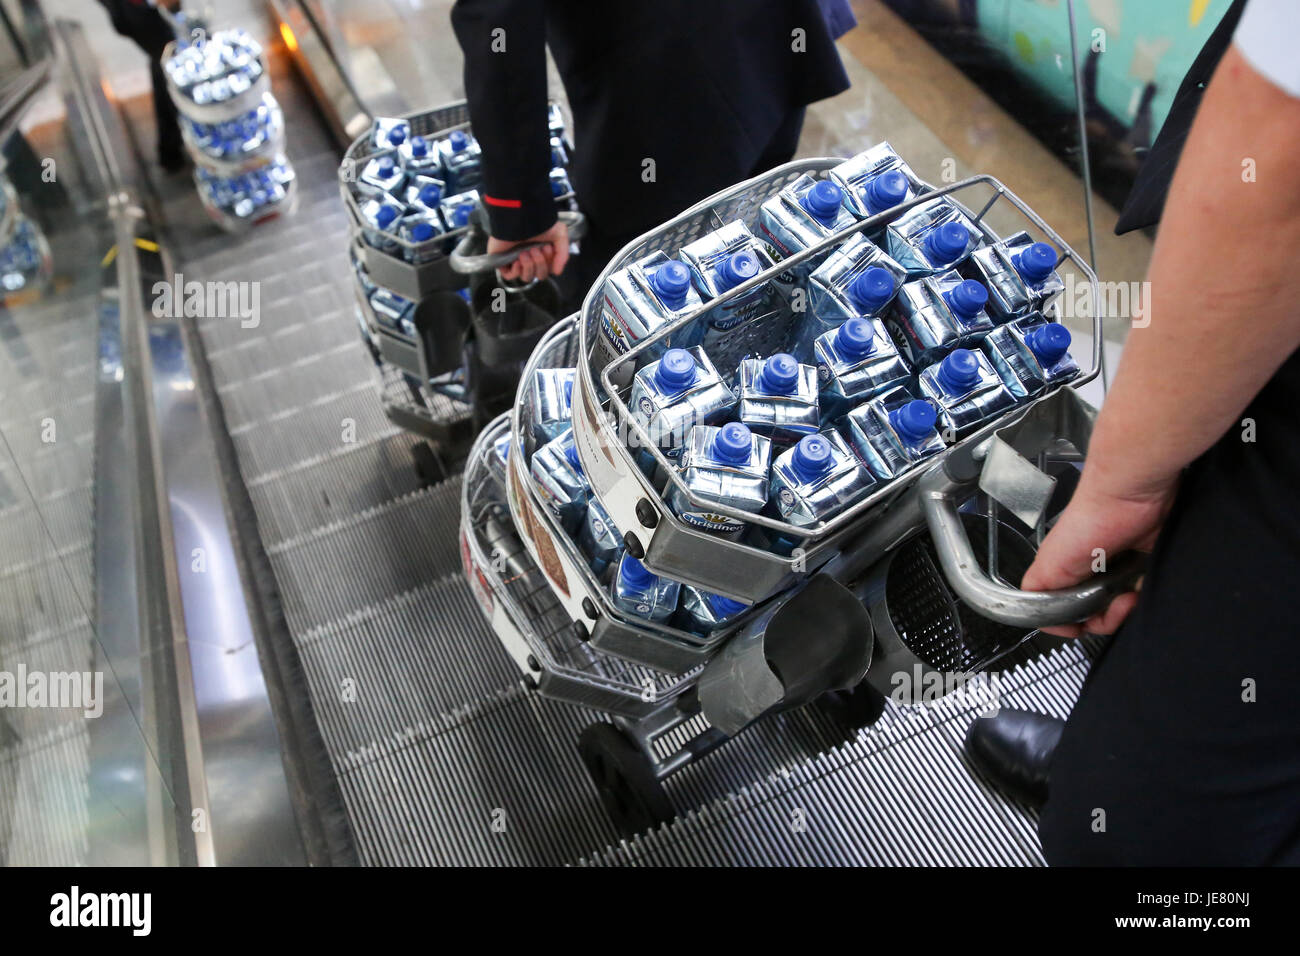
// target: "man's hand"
[[1097, 525], [539, 262]]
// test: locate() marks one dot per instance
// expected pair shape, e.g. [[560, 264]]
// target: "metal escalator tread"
[[404, 663], [901, 794], [306, 495], [496, 782], [383, 551]]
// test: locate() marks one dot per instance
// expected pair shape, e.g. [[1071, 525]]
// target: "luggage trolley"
[[892, 584], [231, 125], [442, 373]]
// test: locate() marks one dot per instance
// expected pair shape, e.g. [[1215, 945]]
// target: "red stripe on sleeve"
[[505, 203]]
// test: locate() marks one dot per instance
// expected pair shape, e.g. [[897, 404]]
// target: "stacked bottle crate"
[[232, 125], [410, 185]]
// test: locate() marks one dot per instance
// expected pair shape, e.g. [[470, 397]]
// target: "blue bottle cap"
[[387, 166], [1035, 262], [732, 443], [872, 289], [1049, 343], [822, 200], [397, 135], [386, 215], [959, 372], [671, 282], [914, 421], [856, 338], [779, 375], [557, 188], [419, 146], [571, 456], [459, 141], [460, 217], [430, 194], [966, 298], [676, 370], [884, 191], [812, 458], [422, 231], [635, 573], [947, 242], [736, 268], [724, 606]]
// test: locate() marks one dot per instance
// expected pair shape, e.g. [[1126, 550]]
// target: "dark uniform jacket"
[[671, 99]]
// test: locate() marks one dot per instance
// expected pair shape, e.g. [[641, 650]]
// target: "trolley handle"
[[999, 467], [467, 263], [1009, 605]]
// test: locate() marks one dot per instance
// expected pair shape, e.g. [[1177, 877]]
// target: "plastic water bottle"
[[932, 316], [457, 209], [875, 180], [393, 311], [640, 593], [424, 194], [815, 479], [1031, 355], [559, 153], [858, 279], [931, 237], [893, 432], [965, 389], [723, 466], [498, 457], [420, 230], [555, 120], [388, 133], [557, 472], [719, 262], [419, 157], [800, 216], [383, 220], [676, 393], [855, 362], [778, 398], [705, 613], [460, 157], [562, 190], [382, 178], [599, 538], [1020, 275], [552, 402], [643, 298]]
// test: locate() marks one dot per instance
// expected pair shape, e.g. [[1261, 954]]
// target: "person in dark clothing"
[[1184, 746], [672, 100], [143, 24]]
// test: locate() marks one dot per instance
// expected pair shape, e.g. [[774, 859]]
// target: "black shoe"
[[1014, 748]]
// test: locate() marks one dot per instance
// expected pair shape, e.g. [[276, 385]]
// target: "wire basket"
[[517, 600], [601, 415], [582, 594], [224, 166]]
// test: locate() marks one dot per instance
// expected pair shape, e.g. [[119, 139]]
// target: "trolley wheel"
[[625, 779], [427, 464]]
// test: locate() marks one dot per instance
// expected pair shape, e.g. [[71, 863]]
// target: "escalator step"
[[421, 653], [365, 558], [293, 501], [901, 794]]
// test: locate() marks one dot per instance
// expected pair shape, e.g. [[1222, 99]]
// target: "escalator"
[[408, 735]]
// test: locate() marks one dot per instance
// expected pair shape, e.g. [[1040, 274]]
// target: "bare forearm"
[[1225, 290]]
